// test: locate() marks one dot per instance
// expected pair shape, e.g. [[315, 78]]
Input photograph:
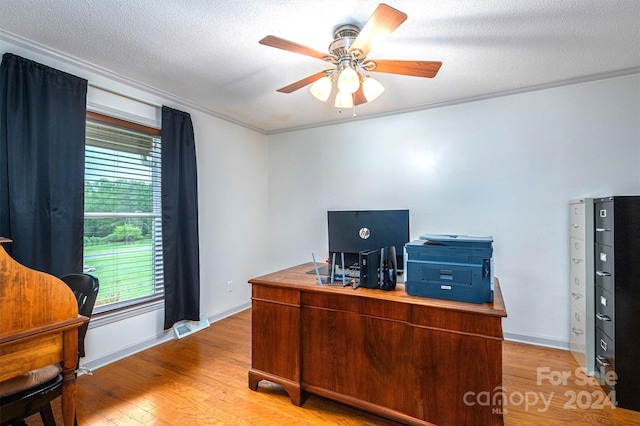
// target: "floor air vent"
[[186, 328]]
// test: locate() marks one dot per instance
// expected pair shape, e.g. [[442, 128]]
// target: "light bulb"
[[321, 89], [343, 100], [348, 82], [371, 88]]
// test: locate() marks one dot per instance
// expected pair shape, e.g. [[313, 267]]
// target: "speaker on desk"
[[388, 268]]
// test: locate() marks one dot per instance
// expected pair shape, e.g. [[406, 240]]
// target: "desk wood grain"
[[412, 359]]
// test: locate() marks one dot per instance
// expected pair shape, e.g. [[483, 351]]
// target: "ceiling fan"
[[350, 66]]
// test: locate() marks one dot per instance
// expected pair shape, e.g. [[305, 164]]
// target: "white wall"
[[232, 180], [504, 167]]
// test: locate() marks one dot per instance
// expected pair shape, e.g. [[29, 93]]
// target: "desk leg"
[[297, 395], [68, 400], [254, 379], [69, 363]]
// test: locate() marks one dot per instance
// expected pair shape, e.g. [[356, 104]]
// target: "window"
[[122, 219]]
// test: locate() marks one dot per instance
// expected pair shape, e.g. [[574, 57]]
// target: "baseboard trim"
[[166, 336], [537, 340]]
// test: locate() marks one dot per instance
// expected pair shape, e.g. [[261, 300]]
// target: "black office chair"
[[18, 406]]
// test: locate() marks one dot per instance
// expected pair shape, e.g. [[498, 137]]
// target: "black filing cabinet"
[[617, 297]]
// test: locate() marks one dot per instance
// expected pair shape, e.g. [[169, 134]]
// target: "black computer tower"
[[369, 266]]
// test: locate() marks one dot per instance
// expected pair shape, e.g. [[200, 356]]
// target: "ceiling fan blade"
[[283, 44], [301, 83], [384, 20], [427, 69], [358, 96]]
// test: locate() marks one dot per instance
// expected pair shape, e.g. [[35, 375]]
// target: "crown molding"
[[176, 101], [521, 90]]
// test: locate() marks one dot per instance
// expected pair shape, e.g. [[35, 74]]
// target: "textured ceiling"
[[206, 52]]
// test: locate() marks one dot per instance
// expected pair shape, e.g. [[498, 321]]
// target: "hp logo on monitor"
[[364, 233]]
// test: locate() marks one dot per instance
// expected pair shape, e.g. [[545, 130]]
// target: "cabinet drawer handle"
[[576, 225], [602, 317], [574, 260], [604, 345], [603, 361], [576, 296], [603, 274], [603, 230], [577, 331]]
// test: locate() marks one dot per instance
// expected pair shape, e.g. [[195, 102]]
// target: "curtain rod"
[[133, 98]]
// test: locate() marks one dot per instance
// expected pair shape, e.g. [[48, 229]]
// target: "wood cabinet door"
[[461, 376], [367, 358], [275, 339]]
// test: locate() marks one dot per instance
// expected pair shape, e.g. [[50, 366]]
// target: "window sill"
[[109, 317]]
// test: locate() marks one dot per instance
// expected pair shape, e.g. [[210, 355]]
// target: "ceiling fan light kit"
[[321, 89], [348, 55], [348, 81], [371, 88], [343, 100]]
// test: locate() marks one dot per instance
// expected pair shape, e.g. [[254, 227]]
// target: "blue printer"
[[453, 267]]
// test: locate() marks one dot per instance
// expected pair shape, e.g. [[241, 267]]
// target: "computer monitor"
[[353, 231]]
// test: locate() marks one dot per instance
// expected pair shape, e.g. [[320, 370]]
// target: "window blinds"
[[123, 229]]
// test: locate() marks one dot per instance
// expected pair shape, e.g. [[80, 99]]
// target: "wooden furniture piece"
[[581, 287], [39, 324], [24, 396], [412, 359]]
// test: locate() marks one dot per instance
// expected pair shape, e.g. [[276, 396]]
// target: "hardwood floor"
[[202, 380]]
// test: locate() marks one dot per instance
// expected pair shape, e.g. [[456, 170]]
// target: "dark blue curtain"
[[181, 252], [42, 138]]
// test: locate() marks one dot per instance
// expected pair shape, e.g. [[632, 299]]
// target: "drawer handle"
[[576, 225], [603, 230], [574, 260], [602, 273], [577, 331], [603, 361], [602, 317], [576, 296], [603, 344]]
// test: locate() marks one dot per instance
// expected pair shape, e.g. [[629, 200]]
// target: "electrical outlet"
[[229, 285]]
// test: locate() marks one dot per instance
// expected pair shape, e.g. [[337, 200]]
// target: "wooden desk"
[[38, 326], [412, 359]]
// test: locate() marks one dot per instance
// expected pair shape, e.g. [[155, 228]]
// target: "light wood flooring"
[[202, 380]]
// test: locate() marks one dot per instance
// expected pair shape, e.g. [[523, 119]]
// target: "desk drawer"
[[452, 321], [275, 294], [17, 357], [369, 306]]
